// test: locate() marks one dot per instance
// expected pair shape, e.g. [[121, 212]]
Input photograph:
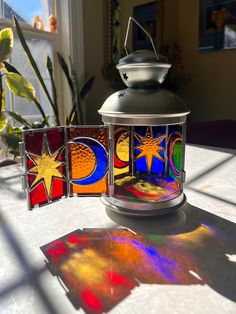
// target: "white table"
[[26, 286]]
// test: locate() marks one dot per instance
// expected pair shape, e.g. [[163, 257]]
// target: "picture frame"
[[113, 42], [150, 17], [217, 25]]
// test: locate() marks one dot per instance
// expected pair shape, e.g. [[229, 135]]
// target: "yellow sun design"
[[150, 147], [46, 167]]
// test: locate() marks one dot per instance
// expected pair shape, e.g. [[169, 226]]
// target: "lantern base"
[[144, 209]]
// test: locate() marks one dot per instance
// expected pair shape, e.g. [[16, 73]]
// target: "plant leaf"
[[11, 140], [6, 43], [19, 118], [66, 71], [9, 67], [32, 61], [2, 103], [77, 104], [19, 86], [3, 123], [86, 87], [54, 90]]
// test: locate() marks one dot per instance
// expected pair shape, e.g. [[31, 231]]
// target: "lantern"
[[135, 161]]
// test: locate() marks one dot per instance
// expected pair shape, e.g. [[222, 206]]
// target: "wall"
[[211, 94], [94, 46], [94, 58]]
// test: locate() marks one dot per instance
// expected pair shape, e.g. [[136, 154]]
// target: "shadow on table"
[[100, 267]]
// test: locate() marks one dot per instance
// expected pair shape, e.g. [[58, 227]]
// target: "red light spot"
[[119, 279], [57, 250], [91, 301], [74, 238]]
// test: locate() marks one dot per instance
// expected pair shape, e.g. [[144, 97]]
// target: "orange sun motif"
[[149, 147], [46, 167]]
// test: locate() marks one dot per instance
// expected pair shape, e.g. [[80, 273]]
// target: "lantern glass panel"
[[88, 160], [45, 166], [151, 160]]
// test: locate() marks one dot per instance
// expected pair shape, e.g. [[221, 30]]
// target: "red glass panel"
[[45, 165], [88, 160]]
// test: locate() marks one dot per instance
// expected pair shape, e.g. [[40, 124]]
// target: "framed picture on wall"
[[217, 24], [149, 15]]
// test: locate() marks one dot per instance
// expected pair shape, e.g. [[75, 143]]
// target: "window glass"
[[27, 11], [40, 49]]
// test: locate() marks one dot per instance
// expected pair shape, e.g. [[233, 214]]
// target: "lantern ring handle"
[[144, 30]]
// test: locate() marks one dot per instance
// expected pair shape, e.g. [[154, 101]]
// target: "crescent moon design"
[[118, 163], [101, 157], [174, 137]]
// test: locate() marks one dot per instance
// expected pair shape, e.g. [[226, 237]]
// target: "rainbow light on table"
[[100, 267]]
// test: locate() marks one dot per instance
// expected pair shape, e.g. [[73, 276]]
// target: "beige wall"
[[211, 94], [94, 58]]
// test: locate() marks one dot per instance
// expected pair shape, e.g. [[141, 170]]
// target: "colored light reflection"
[[100, 267], [146, 188]]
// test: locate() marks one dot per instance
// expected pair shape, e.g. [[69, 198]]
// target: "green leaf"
[[2, 103], [19, 118], [11, 140], [19, 86], [77, 103], [54, 91], [6, 43], [86, 87], [9, 67], [32, 61], [66, 71], [3, 123]]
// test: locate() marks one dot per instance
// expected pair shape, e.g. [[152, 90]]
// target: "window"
[[41, 45], [69, 16]]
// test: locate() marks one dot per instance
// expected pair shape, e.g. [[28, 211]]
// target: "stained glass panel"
[[121, 150], [45, 166], [88, 160], [149, 150], [147, 179], [175, 150]]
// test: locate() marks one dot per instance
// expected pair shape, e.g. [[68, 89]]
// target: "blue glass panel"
[[149, 143]]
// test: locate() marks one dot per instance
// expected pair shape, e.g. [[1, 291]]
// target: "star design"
[[125, 76], [46, 167], [149, 147], [121, 95]]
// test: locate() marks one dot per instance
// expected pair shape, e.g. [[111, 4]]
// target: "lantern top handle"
[[144, 30]]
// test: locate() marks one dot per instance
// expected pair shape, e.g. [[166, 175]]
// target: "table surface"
[[200, 238]]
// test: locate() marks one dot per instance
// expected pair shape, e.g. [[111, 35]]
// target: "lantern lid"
[[143, 68], [149, 106], [143, 56]]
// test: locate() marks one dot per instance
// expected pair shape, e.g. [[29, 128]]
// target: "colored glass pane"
[[88, 160], [149, 150], [45, 166], [175, 150], [121, 151]]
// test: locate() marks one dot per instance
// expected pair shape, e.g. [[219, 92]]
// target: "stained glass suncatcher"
[[45, 166], [74, 157]]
